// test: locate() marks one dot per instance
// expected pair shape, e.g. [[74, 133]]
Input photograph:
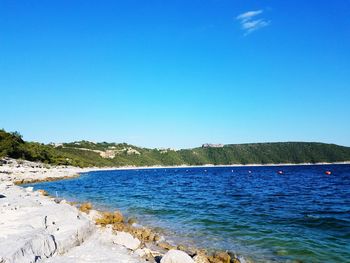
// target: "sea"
[[295, 213]]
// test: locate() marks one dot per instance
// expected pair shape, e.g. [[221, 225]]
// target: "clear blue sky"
[[176, 73]]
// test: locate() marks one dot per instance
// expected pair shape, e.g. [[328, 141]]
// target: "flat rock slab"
[[126, 240], [107, 252], [34, 228]]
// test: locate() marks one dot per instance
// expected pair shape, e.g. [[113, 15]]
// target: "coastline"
[[36, 227], [213, 166], [25, 172], [113, 239]]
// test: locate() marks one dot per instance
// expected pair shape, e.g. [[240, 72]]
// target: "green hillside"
[[84, 153]]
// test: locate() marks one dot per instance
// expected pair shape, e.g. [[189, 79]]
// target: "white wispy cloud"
[[248, 15], [249, 23]]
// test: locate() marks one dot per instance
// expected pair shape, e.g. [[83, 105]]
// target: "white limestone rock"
[[34, 228], [97, 249], [33, 249], [140, 252], [29, 189], [176, 256], [200, 259], [126, 240], [143, 252], [94, 214]]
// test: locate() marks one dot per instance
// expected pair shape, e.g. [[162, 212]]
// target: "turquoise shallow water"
[[302, 214]]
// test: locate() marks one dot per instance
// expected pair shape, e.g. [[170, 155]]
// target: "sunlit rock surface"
[[35, 228]]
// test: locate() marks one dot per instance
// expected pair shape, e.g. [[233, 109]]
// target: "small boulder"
[[126, 240], [223, 256], [29, 189], [94, 214], [118, 217], [110, 218], [220, 257], [201, 258], [176, 256], [85, 207], [147, 234]]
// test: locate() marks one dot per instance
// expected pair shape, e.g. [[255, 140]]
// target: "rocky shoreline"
[[36, 227]]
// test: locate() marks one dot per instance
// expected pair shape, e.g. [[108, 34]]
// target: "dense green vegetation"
[[86, 153]]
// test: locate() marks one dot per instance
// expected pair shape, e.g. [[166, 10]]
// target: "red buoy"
[[328, 172]]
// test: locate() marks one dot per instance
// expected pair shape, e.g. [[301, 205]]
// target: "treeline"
[[12, 145], [86, 153]]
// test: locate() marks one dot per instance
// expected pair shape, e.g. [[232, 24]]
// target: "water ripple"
[[301, 215]]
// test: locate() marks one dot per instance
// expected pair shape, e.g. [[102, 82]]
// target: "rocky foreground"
[[35, 227]]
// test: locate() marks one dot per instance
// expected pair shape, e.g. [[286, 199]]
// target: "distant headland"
[[104, 154]]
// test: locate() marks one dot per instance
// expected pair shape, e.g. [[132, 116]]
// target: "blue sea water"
[[302, 215]]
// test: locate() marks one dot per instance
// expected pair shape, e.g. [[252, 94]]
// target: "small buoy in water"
[[231, 171], [280, 172], [205, 171], [328, 172], [249, 172]]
